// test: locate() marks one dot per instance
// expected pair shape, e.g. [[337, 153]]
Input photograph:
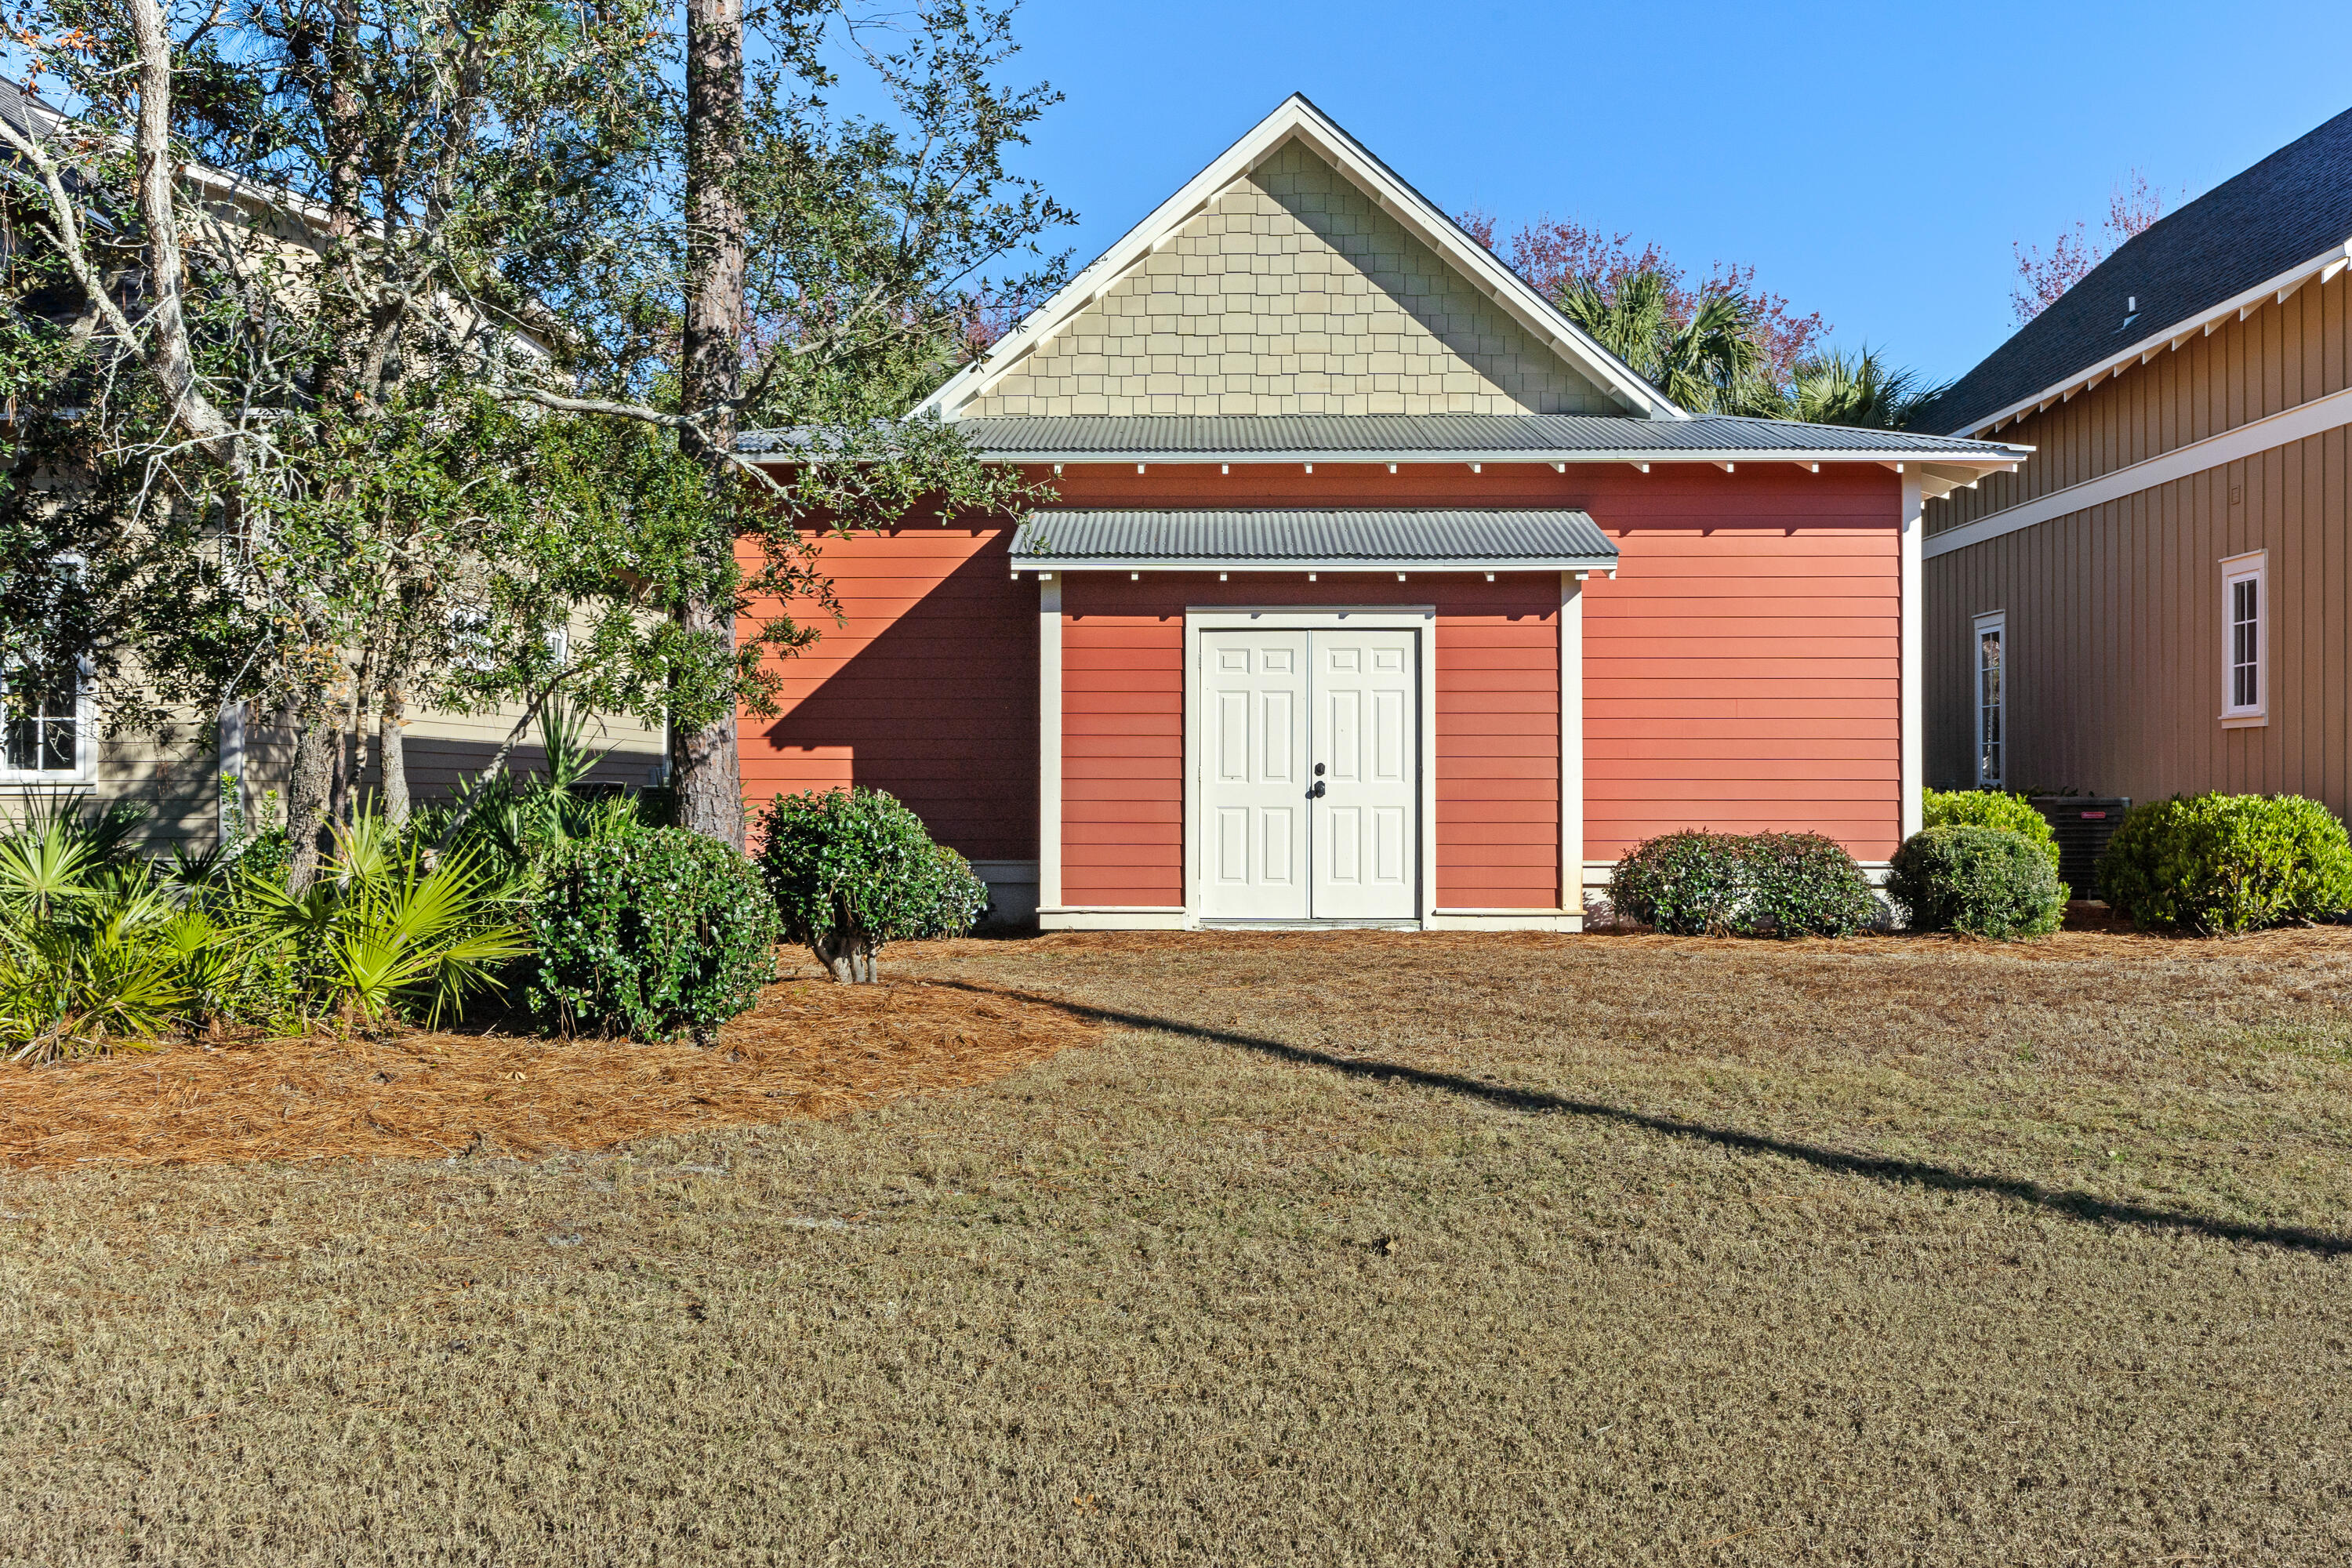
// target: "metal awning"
[[1431, 539]]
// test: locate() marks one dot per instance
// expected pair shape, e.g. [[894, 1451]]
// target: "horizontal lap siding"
[[1496, 753], [1743, 670], [928, 690]]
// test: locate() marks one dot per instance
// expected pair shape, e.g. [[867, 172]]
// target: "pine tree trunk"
[[705, 770], [306, 806], [392, 748]]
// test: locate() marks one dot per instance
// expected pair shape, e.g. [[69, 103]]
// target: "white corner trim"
[[1296, 117], [2299, 422], [2325, 266], [1572, 739], [1912, 770], [1049, 741]]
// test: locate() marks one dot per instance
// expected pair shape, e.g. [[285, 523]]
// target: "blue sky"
[[1873, 163]]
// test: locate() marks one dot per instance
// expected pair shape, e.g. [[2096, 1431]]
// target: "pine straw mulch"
[[810, 1049]]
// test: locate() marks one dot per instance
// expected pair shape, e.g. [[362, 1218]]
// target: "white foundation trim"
[[2303, 421], [1141, 918], [1913, 717], [1049, 741], [1422, 618], [1505, 919]]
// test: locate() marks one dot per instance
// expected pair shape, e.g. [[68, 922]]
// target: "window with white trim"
[[45, 722], [43, 731], [1990, 638], [2245, 638]]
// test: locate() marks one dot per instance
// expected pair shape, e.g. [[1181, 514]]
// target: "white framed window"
[[44, 731], [1991, 661], [2246, 639]]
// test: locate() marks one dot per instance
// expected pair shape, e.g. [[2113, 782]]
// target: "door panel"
[[1254, 689], [1366, 857]]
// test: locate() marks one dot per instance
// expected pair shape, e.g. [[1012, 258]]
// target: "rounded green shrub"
[[1688, 883], [1696, 883], [1991, 808], [2221, 864], [1980, 881], [851, 869], [652, 934], [1803, 884]]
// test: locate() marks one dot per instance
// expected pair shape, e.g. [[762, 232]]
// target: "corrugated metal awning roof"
[[1378, 437], [1431, 539]]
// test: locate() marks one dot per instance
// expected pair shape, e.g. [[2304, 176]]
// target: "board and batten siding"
[[2114, 637], [2281, 356], [2113, 641]]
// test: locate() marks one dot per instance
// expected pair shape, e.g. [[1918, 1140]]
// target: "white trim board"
[[2299, 422], [1421, 618], [2324, 267], [1296, 118]]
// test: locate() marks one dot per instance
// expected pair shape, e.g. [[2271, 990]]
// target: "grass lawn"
[[1335, 1249]]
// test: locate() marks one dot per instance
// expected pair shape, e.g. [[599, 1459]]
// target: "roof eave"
[[2176, 335], [2009, 458], [1587, 563]]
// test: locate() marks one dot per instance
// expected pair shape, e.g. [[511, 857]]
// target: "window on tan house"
[[1991, 636], [2246, 639], [42, 741]]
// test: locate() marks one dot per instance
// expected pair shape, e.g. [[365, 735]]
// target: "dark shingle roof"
[[1497, 436], [2292, 206], [1462, 538]]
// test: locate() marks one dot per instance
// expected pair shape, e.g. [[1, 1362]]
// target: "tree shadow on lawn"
[[2075, 1204]]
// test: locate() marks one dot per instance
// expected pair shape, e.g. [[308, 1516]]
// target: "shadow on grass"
[[2073, 1205]]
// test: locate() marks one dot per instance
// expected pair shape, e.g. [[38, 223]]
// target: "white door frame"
[[1422, 618]]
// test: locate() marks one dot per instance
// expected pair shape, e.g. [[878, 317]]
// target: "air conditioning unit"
[[2082, 824]]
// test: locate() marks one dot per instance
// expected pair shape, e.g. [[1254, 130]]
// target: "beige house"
[[2160, 601], [52, 743]]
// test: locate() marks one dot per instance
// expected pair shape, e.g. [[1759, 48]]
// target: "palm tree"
[[1864, 390], [1715, 362]]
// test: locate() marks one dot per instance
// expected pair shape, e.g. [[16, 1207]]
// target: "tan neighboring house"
[[52, 743], [2160, 601]]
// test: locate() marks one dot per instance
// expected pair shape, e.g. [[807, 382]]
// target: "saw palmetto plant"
[[381, 935]]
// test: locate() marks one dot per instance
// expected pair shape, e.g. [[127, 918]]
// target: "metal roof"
[[1367, 437], [2292, 206], [1435, 538]]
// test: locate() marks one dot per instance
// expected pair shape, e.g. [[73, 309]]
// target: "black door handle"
[[1317, 793]]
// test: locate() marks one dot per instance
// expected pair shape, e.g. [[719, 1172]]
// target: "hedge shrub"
[[1991, 808], [1980, 881], [1801, 884], [1696, 883], [853, 869], [2223, 864], [654, 935]]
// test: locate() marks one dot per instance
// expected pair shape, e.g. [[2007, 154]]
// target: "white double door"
[[1310, 774]]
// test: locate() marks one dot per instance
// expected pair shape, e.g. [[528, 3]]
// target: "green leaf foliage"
[[1696, 883], [2221, 864], [1991, 808], [852, 870], [1803, 884], [1978, 881], [652, 935]]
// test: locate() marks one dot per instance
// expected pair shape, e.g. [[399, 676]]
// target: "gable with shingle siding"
[[1292, 293]]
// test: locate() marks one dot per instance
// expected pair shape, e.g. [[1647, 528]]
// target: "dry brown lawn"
[[1336, 1250]]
